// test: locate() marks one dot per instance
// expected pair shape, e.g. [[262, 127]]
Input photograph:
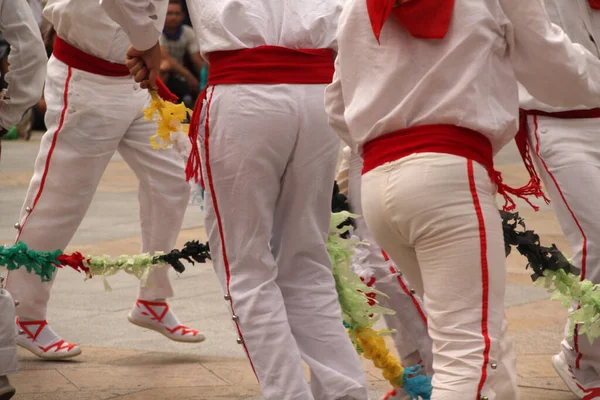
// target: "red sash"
[[270, 65], [450, 139], [595, 4], [83, 61]]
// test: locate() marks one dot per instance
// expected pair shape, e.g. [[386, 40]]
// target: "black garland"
[[192, 251], [527, 242]]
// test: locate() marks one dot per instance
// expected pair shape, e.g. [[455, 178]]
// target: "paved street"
[[121, 361]]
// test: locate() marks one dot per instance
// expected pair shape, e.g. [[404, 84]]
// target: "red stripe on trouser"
[[405, 289], [52, 146], [584, 251], [484, 277], [219, 222]]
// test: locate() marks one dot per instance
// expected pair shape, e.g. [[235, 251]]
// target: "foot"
[[157, 315], [6, 390], [40, 339], [564, 371], [396, 394]]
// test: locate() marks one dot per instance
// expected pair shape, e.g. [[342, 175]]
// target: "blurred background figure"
[[183, 64]]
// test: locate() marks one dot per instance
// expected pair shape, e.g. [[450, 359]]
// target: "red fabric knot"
[[423, 19], [595, 4], [164, 92], [74, 261]]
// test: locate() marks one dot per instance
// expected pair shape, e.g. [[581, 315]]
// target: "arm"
[[197, 60], [27, 59], [551, 67], [142, 20], [335, 107], [175, 66]]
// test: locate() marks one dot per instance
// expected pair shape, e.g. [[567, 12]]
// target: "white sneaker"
[[564, 371], [6, 390], [157, 316], [41, 340]]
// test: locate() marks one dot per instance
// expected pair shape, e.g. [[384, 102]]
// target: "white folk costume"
[[566, 143], [427, 107], [268, 162], [94, 109], [27, 71], [376, 270], [27, 61]]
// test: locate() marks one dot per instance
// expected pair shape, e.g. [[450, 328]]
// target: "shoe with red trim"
[[41, 340], [396, 394], [566, 373], [6, 390], [157, 316]]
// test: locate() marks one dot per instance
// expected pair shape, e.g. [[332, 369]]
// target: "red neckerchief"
[[595, 4], [424, 19]]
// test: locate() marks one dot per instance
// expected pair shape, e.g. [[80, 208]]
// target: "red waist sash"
[[267, 65], [83, 61], [449, 139]]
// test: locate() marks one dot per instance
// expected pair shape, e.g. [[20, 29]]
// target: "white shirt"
[[582, 24], [235, 24], [27, 59], [468, 79], [85, 25]]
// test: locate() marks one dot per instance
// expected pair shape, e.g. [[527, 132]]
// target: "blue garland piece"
[[416, 385]]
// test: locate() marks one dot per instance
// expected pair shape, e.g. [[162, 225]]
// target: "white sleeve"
[[550, 66], [142, 20], [27, 61], [335, 107]]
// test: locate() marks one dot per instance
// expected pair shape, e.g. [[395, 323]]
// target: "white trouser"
[[410, 323], [8, 334], [269, 164], [436, 217], [89, 117], [568, 161]]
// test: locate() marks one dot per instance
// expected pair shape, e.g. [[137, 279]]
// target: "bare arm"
[[175, 66], [27, 59], [551, 67], [197, 60]]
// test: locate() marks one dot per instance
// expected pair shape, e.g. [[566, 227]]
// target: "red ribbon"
[[423, 19], [595, 4]]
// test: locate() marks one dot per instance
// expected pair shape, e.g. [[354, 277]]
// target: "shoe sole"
[[7, 395], [152, 328], [59, 356], [568, 380]]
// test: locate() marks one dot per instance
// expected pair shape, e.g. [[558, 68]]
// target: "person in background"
[[181, 47], [566, 142]]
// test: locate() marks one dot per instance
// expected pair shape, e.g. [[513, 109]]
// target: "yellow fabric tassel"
[[169, 117], [374, 349]]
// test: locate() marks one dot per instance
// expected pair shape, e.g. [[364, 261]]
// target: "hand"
[[144, 65]]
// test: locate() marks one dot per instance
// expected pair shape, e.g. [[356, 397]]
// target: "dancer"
[[27, 61], [27, 70], [566, 142], [377, 270], [94, 109], [268, 159], [426, 92]]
